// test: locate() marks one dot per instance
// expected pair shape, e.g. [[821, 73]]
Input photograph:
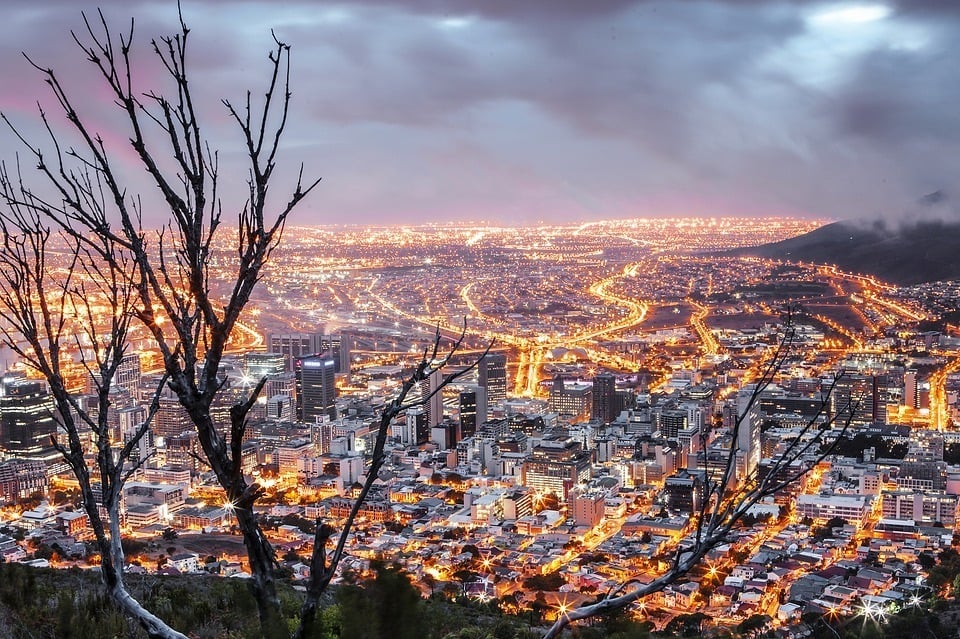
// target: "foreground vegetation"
[[71, 604]]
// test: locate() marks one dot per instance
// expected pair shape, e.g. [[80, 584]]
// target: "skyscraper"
[[128, 374], [432, 397], [417, 425], [316, 387], [571, 399], [473, 410], [26, 420], [492, 375], [604, 398], [910, 395]]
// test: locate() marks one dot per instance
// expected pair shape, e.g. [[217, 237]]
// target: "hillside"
[[923, 252]]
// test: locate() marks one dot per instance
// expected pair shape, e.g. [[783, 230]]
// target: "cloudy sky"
[[515, 111]]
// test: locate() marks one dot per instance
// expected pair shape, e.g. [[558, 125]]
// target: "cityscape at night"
[[390, 319], [576, 451]]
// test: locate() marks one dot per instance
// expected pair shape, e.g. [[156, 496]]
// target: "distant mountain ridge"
[[925, 251]]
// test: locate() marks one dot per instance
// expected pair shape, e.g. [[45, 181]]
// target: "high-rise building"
[[859, 400], [748, 434], [571, 399], [22, 478], [683, 492], [418, 428], [432, 397], [347, 344], [316, 388], [672, 421], [27, 420], [128, 374], [556, 466], [171, 419], [294, 345], [604, 398], [473, 410], [258, 365], [911, 398], [492, 375]]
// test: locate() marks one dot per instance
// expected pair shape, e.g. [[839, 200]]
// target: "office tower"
[[604, 398], [432, 398], [316, 388], [259, 365], [855, 399], [417, 425], [672, 421], [556, 466], [282, 384], [128, 374], [473, 410], [347, 344], [26, 420], [294, 345], [881, 395], [21, 478], [444, 434], [911, 398], [492, 375], [748, 435], [171, 419], [571, 399], [280, 408], [684, 491]]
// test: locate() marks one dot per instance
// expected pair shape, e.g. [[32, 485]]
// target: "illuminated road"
[[710, 344], [532, 351], [938, 394]]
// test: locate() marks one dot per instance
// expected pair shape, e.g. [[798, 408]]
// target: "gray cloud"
[[564, 110]]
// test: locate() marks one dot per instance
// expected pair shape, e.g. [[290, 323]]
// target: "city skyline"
[[561, 112]]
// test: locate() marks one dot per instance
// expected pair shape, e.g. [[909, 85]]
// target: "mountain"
[[924, 251]]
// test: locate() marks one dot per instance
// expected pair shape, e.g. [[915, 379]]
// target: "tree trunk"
[[262, 584], [112, 566]]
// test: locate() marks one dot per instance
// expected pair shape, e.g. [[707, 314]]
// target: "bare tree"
[[726, 500], [162, 279], [165, 279], [47, 308]]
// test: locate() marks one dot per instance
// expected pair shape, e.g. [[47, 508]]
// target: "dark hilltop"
[[922, 250]]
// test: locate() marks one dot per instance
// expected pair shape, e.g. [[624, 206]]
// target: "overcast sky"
[[516, 111]]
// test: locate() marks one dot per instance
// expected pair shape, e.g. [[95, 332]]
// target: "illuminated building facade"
[[556, 466], [27, 420], [316, 388], [492, 375]]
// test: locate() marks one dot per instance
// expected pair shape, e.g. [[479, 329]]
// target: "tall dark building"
[[684, 491], [860, 399], [604, 398], [473, 410], [492, 375], [26, 420], [672, 421], [316, 387], [347, 344], [418, 425]]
